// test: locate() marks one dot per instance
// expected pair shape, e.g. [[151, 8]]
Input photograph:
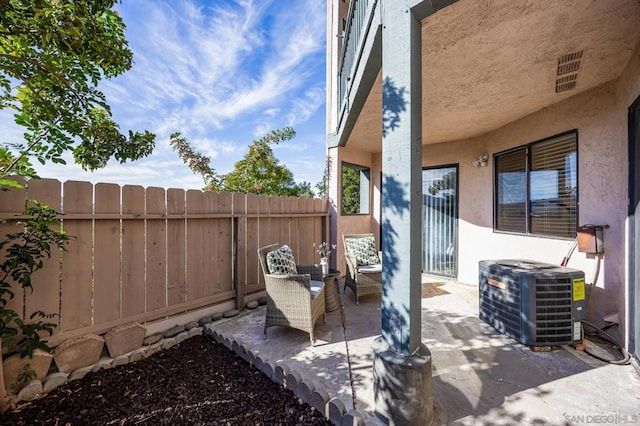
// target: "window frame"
[[367, 201], [528, 166]]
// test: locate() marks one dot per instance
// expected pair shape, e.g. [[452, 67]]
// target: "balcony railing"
[[358, 22]]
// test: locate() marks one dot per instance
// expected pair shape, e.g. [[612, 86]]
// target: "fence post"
[[238, 284]]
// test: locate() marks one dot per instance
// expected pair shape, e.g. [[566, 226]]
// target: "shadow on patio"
[[479, 375]]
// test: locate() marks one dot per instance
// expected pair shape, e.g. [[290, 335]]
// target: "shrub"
[[25, 253]]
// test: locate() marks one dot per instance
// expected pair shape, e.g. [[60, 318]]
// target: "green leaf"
[[56, 54]]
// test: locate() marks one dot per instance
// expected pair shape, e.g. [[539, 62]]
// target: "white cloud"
[[304, 107], [262, 129], [219, 72]]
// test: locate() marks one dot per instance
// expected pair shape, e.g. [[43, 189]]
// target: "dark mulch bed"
[[198, 382]]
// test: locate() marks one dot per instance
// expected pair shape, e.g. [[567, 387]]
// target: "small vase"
[[324, 263]]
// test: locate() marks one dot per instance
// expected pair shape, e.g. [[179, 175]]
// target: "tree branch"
[[24, 79], [38, 64], [29, 147]]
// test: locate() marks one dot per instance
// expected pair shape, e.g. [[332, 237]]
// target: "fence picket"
[[196, 241], [133, 248], [45, 282], [13, 203], [107, 268], [225, 243], [77, 272], [176, 253], [156, 249]]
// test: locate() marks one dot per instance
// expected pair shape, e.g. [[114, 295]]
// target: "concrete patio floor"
[[479, 375]]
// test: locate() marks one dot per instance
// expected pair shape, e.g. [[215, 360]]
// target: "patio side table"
[[330, 299]]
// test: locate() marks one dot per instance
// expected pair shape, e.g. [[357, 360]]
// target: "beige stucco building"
[[530, 129]]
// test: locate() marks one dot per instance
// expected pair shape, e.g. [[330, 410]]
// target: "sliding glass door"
[[440, 220]]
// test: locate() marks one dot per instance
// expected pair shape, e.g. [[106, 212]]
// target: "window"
[[355, 189], [536, 187]]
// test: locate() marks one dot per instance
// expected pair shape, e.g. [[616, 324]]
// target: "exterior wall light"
[[481, 161]]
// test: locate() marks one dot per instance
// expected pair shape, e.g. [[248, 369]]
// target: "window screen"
[[553, 187], [536, 188], [511, 169]]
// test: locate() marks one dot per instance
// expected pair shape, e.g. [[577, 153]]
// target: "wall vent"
[[569, 63], [566, 82], [567, 71]]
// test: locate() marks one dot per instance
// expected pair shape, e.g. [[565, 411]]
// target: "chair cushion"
[[370, 269], [364, 250], [316, 286], [281, 261]]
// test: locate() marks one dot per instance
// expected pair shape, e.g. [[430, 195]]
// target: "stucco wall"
[[628, 86], [352, 224], [600, 116]]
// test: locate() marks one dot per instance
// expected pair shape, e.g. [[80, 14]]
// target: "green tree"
[[448, 181], [305, 190], [350, 190], [321, 186], [197, 162], [258, 172], [53, 54]]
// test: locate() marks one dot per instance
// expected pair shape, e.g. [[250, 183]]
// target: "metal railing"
[[358, 22]]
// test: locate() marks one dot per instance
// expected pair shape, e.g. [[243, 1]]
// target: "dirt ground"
[[197, 382]]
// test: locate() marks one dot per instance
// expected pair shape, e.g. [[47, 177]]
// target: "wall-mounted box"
[[590, 239]]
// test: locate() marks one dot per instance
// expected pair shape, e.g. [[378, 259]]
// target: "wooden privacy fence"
[[145, 254]]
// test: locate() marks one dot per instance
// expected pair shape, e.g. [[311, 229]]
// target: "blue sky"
[[221, 72]]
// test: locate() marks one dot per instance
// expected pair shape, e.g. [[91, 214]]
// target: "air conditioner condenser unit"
[[538, 304]]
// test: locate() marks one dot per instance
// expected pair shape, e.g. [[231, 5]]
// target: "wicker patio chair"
[[361, 279], [295, 300]]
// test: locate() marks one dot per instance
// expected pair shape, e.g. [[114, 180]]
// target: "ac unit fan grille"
[[501, 307], [553, 310]]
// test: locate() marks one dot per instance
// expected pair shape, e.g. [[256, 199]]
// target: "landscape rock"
[[204, 320], [54, 381], [174, 331], [30, 391], [104, 364], [137, 355], [195, 332], [168, 343], [153, 349], [262, 300], [217, 316], [191, 324], [252, 305], [78, 352], [120, 360], [231, 313], [124, 338], [14, 365], [153, 338], [80, 373]]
